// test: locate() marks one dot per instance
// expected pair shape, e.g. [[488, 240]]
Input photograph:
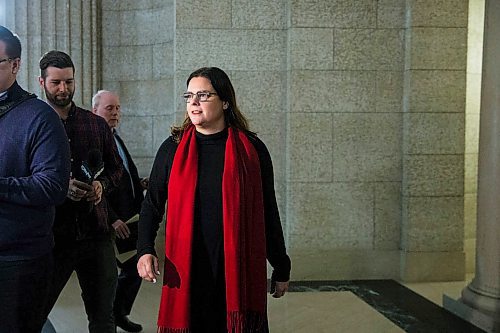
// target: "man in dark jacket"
[[83, 236], [124, 203], [34, 176]]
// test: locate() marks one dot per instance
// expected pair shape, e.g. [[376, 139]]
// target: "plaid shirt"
[[77, 220]]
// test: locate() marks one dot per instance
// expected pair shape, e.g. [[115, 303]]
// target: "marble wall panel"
[[439, 13], [438, 48], [332, 91], [151, 26], [251, 50], [369, 49], [389, 91], [311, 48], [387, 224], [436, 91], [331, 215], [364, 167], [391, 14], [432, 266], [433, 175], [127, 63], [137, 133], [163, 61], [147, 98], [472, 133], [334, 13], [367, 147], [261, 91], [433, 224], [259, 14], [161, 130], [133, 4], [309, 147], [204, 14], [434, 133]]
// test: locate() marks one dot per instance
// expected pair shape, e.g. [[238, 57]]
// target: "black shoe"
[[128, 326]]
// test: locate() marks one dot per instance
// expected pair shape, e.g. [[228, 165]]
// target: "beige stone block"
[[369, 49], [322, 216], [472, 133], [113, 86], [136, 133], [111, 25], [310, 147], [147, 23], [389, 91], [249, 50], [433, 175], [432, 266], [363, 167], [335, 264], [194, 14], [391, 14], [433, 224], [470, 215], [260, 92], [161, 129], [434, 133], [438, 48], [163, 61], [259, 14], [367, 133], [332, 91], [151, 98], [127, 63], [367, 147], [271, 129], [470, 179], [438, 13], [144, 165], [437, 91], [335, 13], [387, 216], [133, 4], [311, 48]]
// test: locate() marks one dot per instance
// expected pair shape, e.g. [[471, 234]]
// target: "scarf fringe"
[[172, 330], [249, 322]]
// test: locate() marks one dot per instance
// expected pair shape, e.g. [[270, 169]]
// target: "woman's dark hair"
[[222, 85], [56, 59], [12, 43]]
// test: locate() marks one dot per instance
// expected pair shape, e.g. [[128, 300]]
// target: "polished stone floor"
[[360, 306]]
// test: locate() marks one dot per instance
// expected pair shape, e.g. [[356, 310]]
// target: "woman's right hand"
[[147, 267]]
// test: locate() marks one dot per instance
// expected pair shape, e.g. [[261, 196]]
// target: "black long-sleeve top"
[[208, 206]]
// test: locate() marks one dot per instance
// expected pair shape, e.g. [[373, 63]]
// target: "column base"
[[488, 321]]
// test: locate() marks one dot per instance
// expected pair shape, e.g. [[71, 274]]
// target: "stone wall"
[[361, 104]]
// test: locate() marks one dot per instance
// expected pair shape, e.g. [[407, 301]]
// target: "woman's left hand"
[[280, 289]]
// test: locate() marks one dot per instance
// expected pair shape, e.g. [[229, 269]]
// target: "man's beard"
[[62, 102]]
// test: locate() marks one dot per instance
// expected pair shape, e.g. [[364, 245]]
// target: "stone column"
[[69, 26], [481, 298]]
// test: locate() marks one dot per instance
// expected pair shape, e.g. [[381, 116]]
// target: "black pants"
[[95, 265], [23, 289], [128, 286]]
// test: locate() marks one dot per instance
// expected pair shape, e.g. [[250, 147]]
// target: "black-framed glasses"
[[202, 96], [6, 59]]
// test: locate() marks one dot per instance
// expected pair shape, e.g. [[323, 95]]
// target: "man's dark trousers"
[[24, 284]]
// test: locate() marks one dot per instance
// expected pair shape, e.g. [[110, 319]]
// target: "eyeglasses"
[[6, 59], [202, 96]]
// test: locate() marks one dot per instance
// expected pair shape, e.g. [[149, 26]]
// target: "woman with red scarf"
[[214, 178]]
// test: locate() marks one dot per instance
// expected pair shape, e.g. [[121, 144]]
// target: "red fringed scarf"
[[244, 237]]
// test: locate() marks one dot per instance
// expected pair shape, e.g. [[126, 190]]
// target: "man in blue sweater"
[[34, 177]]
